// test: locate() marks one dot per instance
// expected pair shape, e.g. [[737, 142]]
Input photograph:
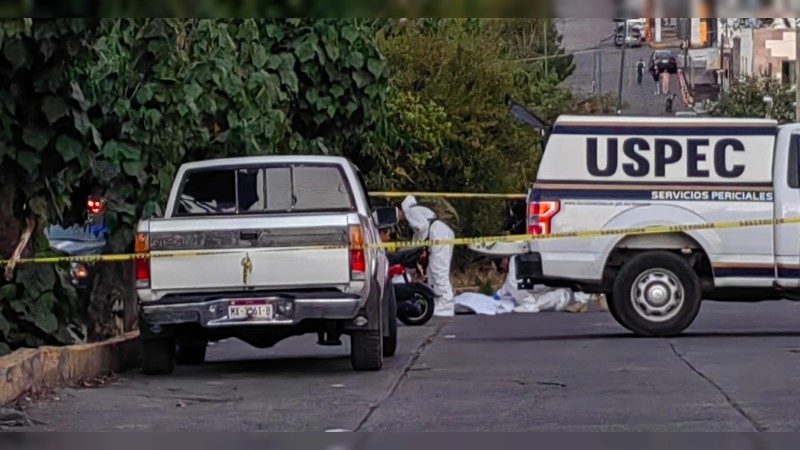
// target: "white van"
[[602, 173]]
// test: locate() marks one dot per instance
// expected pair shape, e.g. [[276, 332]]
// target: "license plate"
[[250, 310]]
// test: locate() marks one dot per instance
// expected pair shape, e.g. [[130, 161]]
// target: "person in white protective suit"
[[425, 225]]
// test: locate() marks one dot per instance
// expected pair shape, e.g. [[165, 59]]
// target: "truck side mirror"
[[385, 217]]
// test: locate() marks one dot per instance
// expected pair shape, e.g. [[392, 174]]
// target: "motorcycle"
[[415, 299], [88, 240], [75, 241]]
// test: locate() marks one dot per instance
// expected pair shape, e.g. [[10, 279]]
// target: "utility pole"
[[622, 68], [796, 72], [599, 54], [594, 73], [721, 38], [546, 23]]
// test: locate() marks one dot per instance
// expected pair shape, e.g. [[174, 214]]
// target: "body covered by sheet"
[[512, 299]]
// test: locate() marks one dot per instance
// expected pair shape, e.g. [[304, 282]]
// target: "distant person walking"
[[655, 74], [640, 71], [664, 82]]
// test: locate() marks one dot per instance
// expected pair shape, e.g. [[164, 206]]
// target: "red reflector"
[[357, 261], [142, 267], [540, 216], [396, 270], [537, 229], [545, 209]]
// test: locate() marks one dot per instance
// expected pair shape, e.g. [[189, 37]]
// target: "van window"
[[793, 166], [279, 189]]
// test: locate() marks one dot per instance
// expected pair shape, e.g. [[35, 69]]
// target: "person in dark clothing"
[[640, 71]]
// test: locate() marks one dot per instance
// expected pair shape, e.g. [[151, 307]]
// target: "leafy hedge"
[[113, 107]]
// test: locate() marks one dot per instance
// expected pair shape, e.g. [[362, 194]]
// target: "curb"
[[34, 370]]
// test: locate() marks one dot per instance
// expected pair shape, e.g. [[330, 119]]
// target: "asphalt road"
[[735, 369], [584, 38]]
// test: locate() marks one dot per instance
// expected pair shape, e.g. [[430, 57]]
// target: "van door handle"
[[248, 235]]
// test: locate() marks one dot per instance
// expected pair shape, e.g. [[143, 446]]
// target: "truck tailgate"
[[259, 253]]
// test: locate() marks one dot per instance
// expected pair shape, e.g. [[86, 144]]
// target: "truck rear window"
[[253, 190]]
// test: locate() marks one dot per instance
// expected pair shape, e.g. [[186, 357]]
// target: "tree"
[[538, 44], [746, 99], [113, 107], [449, 128]]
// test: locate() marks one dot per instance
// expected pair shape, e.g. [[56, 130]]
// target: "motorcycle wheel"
[[422, 308]]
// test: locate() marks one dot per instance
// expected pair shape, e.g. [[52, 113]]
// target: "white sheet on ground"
[[509, 298], [484, 304]]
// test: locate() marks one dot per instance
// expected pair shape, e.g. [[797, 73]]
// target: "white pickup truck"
[[230, 258]]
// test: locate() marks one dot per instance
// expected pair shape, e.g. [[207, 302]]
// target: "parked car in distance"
[[634, 38], [663, 60]]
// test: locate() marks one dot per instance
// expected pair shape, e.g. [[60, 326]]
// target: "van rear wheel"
[[656, 294], [612, 309]]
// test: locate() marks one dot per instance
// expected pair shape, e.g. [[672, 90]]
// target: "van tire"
[[366, 350], [612, 309], [158, 356], [390, 338], [665, 274]]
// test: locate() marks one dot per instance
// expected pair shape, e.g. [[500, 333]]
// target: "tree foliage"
[[746, 99], [448, 126], [112, 107]]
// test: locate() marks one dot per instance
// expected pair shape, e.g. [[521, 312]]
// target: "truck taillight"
[[540, 214], [358, 259], [142, 265]]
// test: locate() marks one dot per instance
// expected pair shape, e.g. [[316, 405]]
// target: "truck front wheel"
[[656, 294]]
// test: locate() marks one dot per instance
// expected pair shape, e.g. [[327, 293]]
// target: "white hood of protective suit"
[[418, 217], [408, 202]]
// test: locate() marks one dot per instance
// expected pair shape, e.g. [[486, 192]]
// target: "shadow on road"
[[300, 365], [595, 336]]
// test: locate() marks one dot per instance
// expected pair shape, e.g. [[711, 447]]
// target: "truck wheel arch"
[[639, 217], [690, 243]]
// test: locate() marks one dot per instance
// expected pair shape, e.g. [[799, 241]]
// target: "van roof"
[[632, 121]]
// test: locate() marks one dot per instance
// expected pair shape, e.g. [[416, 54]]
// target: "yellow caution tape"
[[447, 195], [658, 229]]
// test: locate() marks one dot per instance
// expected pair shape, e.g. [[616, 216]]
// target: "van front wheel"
[[656, 294]]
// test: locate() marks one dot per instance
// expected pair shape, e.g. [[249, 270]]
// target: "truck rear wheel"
[[366, 350], [390, 339], [656, 294], [158, 356]]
